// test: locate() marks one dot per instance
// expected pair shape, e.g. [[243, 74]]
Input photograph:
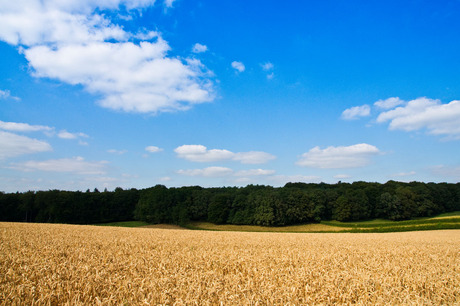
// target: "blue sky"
[[134, 93]]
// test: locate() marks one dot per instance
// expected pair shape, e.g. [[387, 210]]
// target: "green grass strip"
[[124, 224]]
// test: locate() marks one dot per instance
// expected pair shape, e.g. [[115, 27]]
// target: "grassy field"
[[79, 265], [444, 221], [303, 228]]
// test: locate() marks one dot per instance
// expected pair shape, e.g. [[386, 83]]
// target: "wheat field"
[[70, 264]]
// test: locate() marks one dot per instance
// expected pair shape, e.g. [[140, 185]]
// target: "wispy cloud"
[[356, 112], [76, 165], [6, 94], [342, 176], [253, 157], [255, 172], [153, 149], [389, 103], [67, 135], [207, 172], [14, 145], [403, 174], [199, 48], [353, 156], [169, 3], [267, 66], [49, 131], [239, 176], [117, 152], [23, 127]]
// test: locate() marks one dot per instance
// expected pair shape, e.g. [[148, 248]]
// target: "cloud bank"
[[431, 115], [77, 43], [424, 113]]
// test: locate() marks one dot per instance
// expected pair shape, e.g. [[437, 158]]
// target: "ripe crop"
[[70, 264]]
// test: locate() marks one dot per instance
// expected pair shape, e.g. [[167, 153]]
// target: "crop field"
[[71, 264]]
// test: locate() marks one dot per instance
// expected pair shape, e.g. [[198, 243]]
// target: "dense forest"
[[295, 203]]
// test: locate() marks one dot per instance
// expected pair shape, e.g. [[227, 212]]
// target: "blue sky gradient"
[[133, 93]]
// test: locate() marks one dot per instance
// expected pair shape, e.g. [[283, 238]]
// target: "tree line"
[[295, 203]]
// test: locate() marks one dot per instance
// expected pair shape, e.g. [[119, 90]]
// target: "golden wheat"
[[65, 264]]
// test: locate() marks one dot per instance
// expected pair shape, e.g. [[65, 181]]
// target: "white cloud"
[[356, 111], [6, 94], [34, 22], [253, 157], [66, 135], [23, 127], [15, 145], [199, 153], [145, 80], [267, 66], [76, 42], [76, 165], [254, 172], [153, 149], [339, 157], [239, 66], [49, 131], [389, 103], [199, 48], [207, 172], [168, 3], [146, 35], [118, 152], [402, 174], [424, 113]]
